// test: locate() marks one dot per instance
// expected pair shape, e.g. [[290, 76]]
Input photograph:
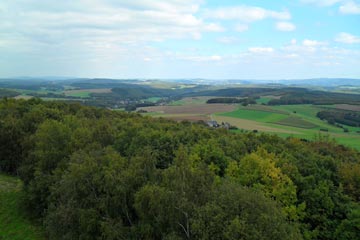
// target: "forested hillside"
[[91, 173], [7, 93]]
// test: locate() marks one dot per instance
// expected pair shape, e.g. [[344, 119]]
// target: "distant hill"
[[323, 82], [8, 93], [327, 82]]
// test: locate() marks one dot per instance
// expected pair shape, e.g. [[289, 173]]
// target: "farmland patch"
[[260, 116], [348, 107], [296, 122], [251, 125], [199, 109], [83, 93]]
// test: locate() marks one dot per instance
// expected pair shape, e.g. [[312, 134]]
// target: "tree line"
[[305, 96], [91, 173], [350, 118], [243, 101]]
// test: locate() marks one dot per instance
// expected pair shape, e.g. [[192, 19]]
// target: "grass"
[[152, 99], [190, 101], [14, 224], [259, 116], [296, 122], [252, 125], [263, 108], [286, 120], [79, 94], [263, 100]]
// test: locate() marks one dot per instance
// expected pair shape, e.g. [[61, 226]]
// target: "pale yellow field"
[[23, 97]]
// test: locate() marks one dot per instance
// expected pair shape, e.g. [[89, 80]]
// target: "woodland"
[[93, 173]]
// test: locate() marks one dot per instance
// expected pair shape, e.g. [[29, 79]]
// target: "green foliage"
[[350, 176], [305, 96], [8, 93], [261, 116], [236, 212], [15, 224], [97, 174], [243, 101], [350, 118], [296, 122], [350, 227], [258, 171]]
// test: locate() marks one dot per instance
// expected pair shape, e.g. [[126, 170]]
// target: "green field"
[[299, 120], [262, 100], [84, 94], [260, 116], [190, 101], [14, 224], [296, 122], [153, 99], [285, 120]]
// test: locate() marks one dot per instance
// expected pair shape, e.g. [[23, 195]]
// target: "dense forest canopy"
[[350, 118], [306, 96], [92, 173], [8, 93], [243, 101]]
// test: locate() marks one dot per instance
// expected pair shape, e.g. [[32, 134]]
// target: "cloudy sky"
[[232, 39]]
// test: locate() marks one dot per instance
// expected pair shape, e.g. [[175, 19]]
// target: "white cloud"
[[346, 6], [350, 8], [214, 27], [166, 6], [261, 50], [285, 26], [322, 2], [241, 27], [216, 58], [313, 43], [125, 22], [198, 58], [226, 40], [347, 38], [306, 46], [246, 14]]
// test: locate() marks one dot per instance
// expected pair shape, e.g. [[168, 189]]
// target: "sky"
[[222, 39]]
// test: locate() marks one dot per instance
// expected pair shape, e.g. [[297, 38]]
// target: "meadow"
[[14, 223], [85, 93], [300, 121], [285, 120]]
